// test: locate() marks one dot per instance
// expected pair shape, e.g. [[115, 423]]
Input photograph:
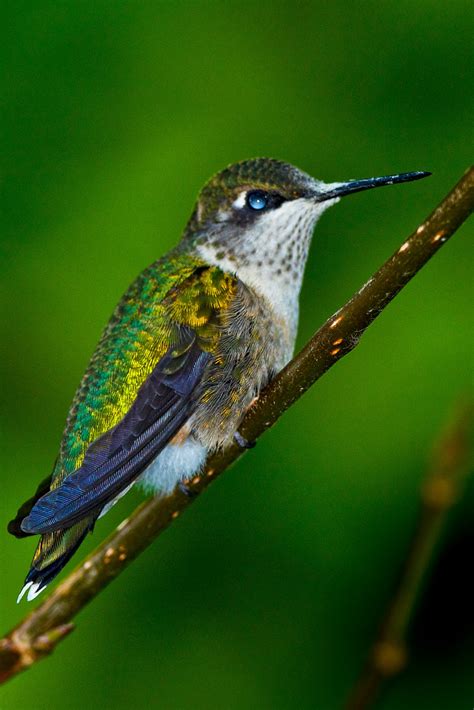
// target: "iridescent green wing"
[[162, 403], [136, 338], [133, 341]]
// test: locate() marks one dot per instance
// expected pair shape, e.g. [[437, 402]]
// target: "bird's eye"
[[257, 200]]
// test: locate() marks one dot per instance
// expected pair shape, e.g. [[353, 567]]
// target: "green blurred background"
[[268, 592]]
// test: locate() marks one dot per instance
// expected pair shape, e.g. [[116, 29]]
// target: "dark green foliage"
[[268, 592]]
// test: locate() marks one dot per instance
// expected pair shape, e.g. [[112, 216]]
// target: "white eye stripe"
[[240, 201]]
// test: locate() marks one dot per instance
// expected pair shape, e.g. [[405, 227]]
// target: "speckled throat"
[[269, 255]]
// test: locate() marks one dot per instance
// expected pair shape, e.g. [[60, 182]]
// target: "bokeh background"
[[268, 592]]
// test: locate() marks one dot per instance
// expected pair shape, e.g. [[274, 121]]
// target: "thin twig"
[[41, 630], [441, 489]]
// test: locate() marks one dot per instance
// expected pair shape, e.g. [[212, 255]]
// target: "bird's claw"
[[242, 442], [186, 490]]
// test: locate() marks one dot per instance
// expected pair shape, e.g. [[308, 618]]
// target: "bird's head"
[[244, 193], [260, 214], [253, 194]]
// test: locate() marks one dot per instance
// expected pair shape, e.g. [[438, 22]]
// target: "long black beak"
[[345, 188]]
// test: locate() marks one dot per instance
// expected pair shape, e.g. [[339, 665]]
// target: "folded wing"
[[163, 403]]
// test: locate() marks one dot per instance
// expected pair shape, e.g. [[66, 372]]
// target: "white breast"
[[177, 462]]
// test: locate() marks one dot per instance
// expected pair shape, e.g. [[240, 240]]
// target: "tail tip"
[[32, 590]]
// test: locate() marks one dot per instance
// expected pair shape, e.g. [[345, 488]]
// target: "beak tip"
[[334, 190]]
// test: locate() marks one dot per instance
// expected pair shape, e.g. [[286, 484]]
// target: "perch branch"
[[441, 489], [40, 631]]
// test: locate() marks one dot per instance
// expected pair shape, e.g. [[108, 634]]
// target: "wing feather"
[[142, 384], [164, 402]]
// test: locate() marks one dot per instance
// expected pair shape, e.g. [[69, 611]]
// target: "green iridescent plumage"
[[137, 336], [172, 292]]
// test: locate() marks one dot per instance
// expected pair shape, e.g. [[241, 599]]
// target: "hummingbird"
[[187, 350]]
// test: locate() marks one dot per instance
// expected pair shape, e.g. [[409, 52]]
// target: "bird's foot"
[[186, 490], [242, 442]]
